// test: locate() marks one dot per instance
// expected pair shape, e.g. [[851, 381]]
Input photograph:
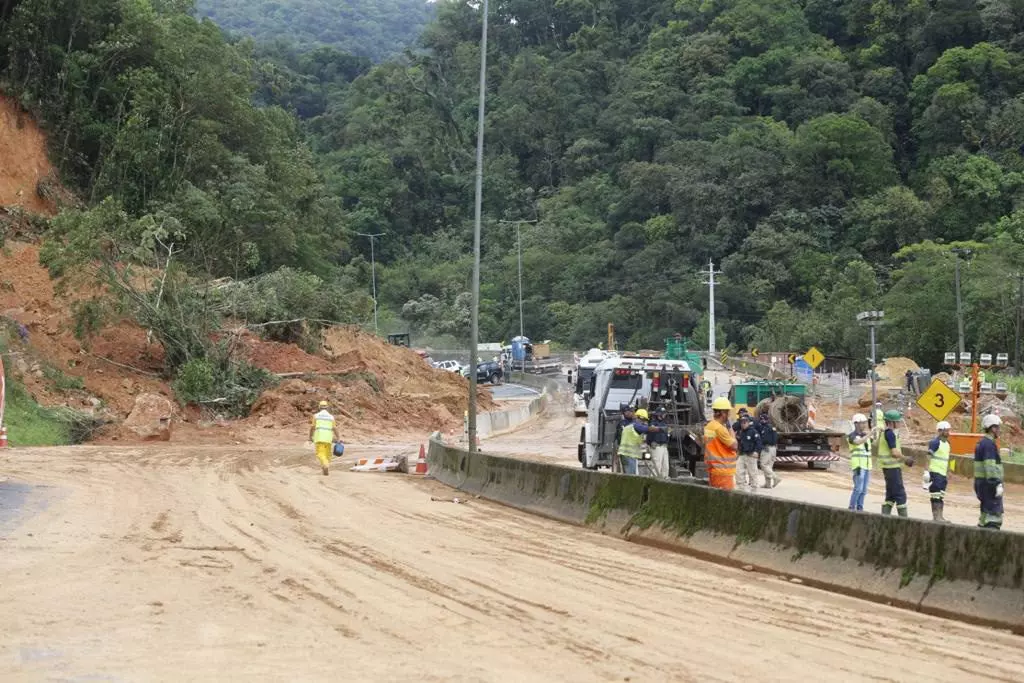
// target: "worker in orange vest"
[[720, 447]]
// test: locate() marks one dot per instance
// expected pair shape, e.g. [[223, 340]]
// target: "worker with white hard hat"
[[859, 441], [935, 477], [323, 432], [878, 424], [988, 474]]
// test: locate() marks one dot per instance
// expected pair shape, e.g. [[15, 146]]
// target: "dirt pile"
[[373, 387], [25, 169], [892, 371]]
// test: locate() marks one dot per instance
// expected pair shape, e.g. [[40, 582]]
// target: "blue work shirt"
[[987, 463], [660, 436], [749, 440], [769, 437]]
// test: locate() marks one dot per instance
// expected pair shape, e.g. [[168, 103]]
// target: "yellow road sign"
[[814, 357], [754, 352], [938, 400], [791, 358], [724, 357]]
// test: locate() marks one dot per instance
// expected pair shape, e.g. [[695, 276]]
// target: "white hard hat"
[[991, 421], [943, 425], [859, 417], [878, 403]]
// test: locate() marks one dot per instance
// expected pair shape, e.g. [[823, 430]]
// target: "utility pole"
[[710, 282], [478, 205], [872, 319], [1020, 319], [957, 253], [373, 271], [519, 247]]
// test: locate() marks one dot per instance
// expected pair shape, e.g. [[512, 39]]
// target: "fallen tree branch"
[[122, 365]]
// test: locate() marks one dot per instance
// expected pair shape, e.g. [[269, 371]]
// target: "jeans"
[[628, 465], [861, 478]]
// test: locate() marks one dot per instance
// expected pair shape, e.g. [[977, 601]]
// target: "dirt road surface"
[[214, 563]]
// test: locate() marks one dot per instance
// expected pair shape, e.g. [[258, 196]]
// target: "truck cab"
[[580, 379], [649, 383]]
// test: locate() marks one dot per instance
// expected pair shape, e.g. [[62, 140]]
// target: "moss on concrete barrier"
[[963, 572]]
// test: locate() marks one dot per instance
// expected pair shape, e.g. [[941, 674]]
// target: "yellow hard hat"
[[721, 403], [324, 404], [642, 414]]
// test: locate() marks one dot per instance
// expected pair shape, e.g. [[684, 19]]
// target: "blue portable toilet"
[[519, 348]]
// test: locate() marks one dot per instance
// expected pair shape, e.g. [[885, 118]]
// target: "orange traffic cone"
[[3, 437], [421, 462]]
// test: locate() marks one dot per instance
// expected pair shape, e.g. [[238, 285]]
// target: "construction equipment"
[[786, 406], [650, 383], [530, 357], [399, 339], [579, 378]]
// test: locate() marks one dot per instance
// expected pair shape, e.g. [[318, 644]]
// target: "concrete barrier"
[[967, 573], [500, 421]]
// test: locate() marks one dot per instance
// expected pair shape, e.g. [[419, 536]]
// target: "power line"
[[373, 271], [710, 282]]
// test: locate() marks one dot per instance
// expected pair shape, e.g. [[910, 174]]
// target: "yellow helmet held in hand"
[[323, 404], [642, 414], [721, 403]]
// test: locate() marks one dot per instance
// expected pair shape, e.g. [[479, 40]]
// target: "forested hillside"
[[375, 29], [825, 155]]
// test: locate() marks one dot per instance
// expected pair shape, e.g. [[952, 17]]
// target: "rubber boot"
[[325, 470], [902, 511], [937, 511], [886, 508]]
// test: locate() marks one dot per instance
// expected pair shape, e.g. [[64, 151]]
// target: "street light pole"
[[519, 248], [373, 274], [478, 205], [872, 319], [957, 253]]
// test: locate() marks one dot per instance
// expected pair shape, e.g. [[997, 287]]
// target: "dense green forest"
[[375, 29], [826, 155]]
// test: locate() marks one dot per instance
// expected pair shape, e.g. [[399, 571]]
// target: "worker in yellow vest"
[[323, 432], [859, 441], [891, 460], [938, 469]]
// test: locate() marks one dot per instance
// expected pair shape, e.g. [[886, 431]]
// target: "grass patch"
[[30, 424], [63, 380]]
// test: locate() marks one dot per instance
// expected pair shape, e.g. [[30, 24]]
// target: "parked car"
[[450, 366], [487, 371]]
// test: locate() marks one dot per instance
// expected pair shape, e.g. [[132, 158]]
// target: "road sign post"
[[938, 400]]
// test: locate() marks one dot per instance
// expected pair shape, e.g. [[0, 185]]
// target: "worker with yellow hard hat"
[[631, 443], [720, 446], [323, 432]]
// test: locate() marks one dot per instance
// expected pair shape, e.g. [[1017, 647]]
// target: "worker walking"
[[859, 441], [323, 432], [749, 447], [890, 457], [657, 442], [988, 474], [720, 447], [769, 443], [938, 469]]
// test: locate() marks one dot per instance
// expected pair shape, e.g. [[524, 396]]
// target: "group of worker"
[[747, 444], [884, 440], [640, 434]]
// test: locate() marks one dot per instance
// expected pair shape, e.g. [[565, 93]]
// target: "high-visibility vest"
[[885, 457], [879, 419], [718, 456], [939, 463], [631, 442], [323, 427], [860, 454]]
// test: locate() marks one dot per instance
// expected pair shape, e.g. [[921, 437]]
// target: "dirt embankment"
[[373, 388], [25, 168]]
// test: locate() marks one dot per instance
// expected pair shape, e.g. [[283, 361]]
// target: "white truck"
[[649, 383], [579, 378]]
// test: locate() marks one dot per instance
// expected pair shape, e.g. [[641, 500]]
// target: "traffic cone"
[[3, 437], [421, 462]]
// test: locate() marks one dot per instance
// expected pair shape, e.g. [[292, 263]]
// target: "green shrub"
[[229, 387]]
